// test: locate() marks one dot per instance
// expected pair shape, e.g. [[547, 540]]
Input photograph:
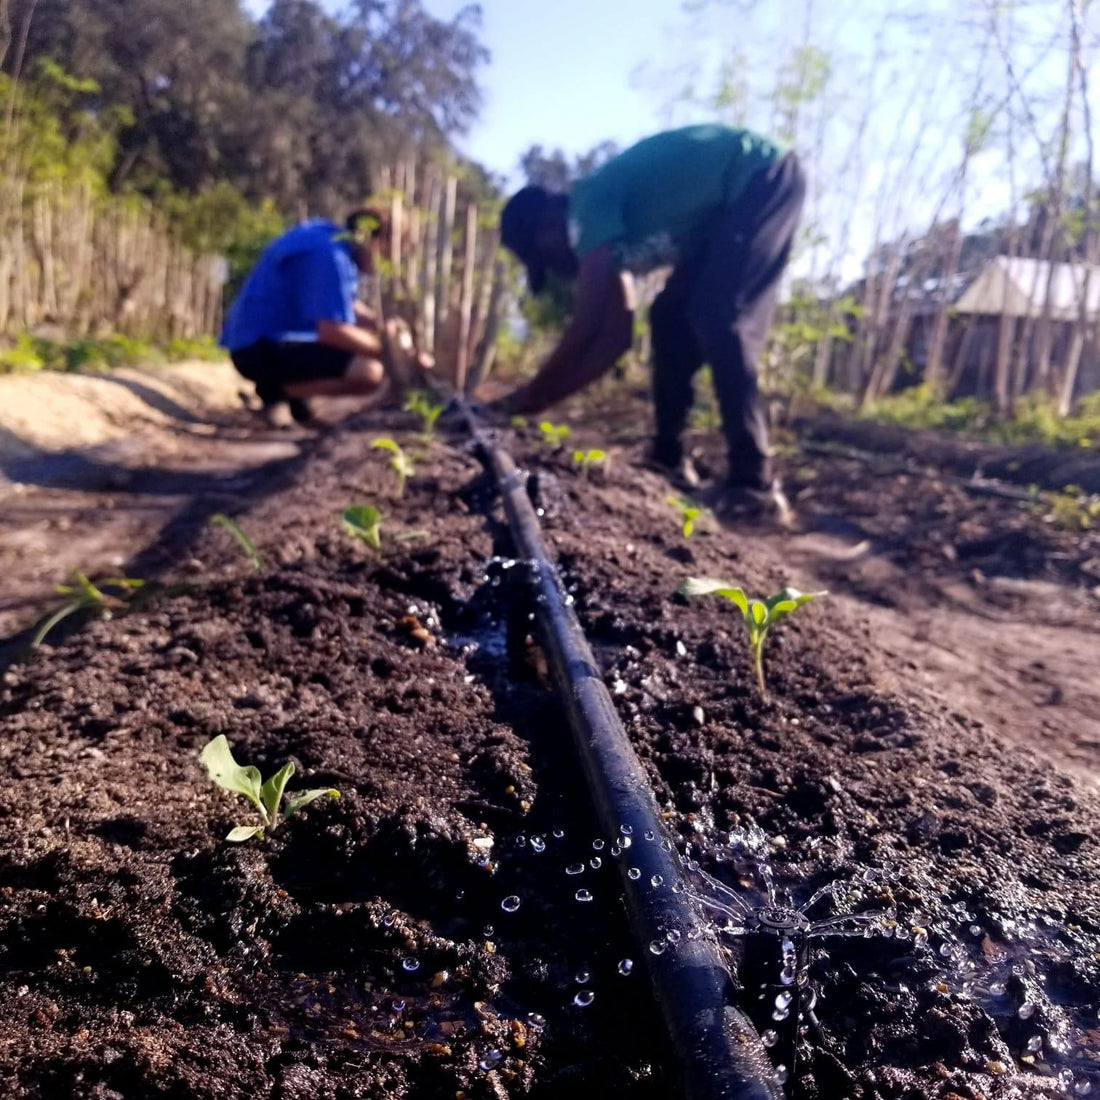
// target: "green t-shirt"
[[652, 201]]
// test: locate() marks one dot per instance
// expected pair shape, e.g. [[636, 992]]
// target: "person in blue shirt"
[[297, 329]]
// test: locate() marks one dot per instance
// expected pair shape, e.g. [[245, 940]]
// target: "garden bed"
[[373, 947]]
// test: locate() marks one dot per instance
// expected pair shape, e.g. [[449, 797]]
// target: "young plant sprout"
[[759, 615], [422, 404], [85, 596], [364, 521], [518, 422], [266, 797], [586, 460], [219, 519], [689, 513], [400, 462], [554, 435]]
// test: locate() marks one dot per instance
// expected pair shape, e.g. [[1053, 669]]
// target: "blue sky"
[[561, 73]]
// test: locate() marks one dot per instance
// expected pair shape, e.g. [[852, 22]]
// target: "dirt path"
[[93, 468]]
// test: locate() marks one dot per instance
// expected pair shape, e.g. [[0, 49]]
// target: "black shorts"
[[272, 365]]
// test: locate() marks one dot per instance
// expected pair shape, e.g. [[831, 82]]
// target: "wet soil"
[[363, 948]]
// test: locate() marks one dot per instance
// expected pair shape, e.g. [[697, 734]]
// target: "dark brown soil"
[[362, 950]]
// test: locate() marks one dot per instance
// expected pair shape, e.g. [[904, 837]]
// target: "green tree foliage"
[[298, 107]]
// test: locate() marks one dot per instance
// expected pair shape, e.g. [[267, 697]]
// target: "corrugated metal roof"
[[1017, 286]]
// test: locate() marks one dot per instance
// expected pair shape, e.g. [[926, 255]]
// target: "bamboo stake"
[[446, 258], [466, 302], [431, 240]]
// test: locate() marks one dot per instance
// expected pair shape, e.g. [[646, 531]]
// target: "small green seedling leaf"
[[364, 521], [299, 801], [83, 595], [554, 435], [271, 793], [399, 461], [759, 616], [518, 421], [586, 460], [689, 513], [422, 404], [270, 799], [220, 519], [230, 776]]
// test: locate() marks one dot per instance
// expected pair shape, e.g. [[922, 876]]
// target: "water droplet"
[[657, 947], [536, 1021], [583, 895], [976, 930], [388, 919], [648, 834], [945, 950], [597, 845], [783, 1000], [616, 849], [657, 880], [674, 937], [581, 976], [1026, 1010], [920, 937], [1082, 1088], [634, 873], [781, 1074], [781, 1014], [510, 904], [625, 842], [769, 1038], [487, 931], [584, 998], [538, 844], [558, 834], [574, 868], [490, 1059], [411, 964], [625, 967], [666, 844], [626, 830], [1035, 1044], [521, 841], [997, 989], [399, 1006], [595, 863]]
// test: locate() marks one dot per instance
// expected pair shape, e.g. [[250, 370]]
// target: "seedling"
[[759, 615], [689, 513], [587, 460], [85, 596], [518, 422], [242, 540], [364, 521], [400, 462], [1072, 509], [422, 404], [554, 435], [266, 797]]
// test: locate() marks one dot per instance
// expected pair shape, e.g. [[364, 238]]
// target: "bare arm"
[[600, 331], [348, 337]]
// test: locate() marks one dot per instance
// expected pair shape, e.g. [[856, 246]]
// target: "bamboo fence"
[[89, 266], [442, 277]]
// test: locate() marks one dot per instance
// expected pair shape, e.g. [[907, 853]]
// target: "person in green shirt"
[[718, 205]]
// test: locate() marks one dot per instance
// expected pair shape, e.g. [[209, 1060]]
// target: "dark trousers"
[[716, 308]]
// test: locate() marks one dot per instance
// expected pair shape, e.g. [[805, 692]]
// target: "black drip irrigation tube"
[[718, 1051]]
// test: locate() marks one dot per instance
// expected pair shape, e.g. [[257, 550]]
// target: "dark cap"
[[519, 226]]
